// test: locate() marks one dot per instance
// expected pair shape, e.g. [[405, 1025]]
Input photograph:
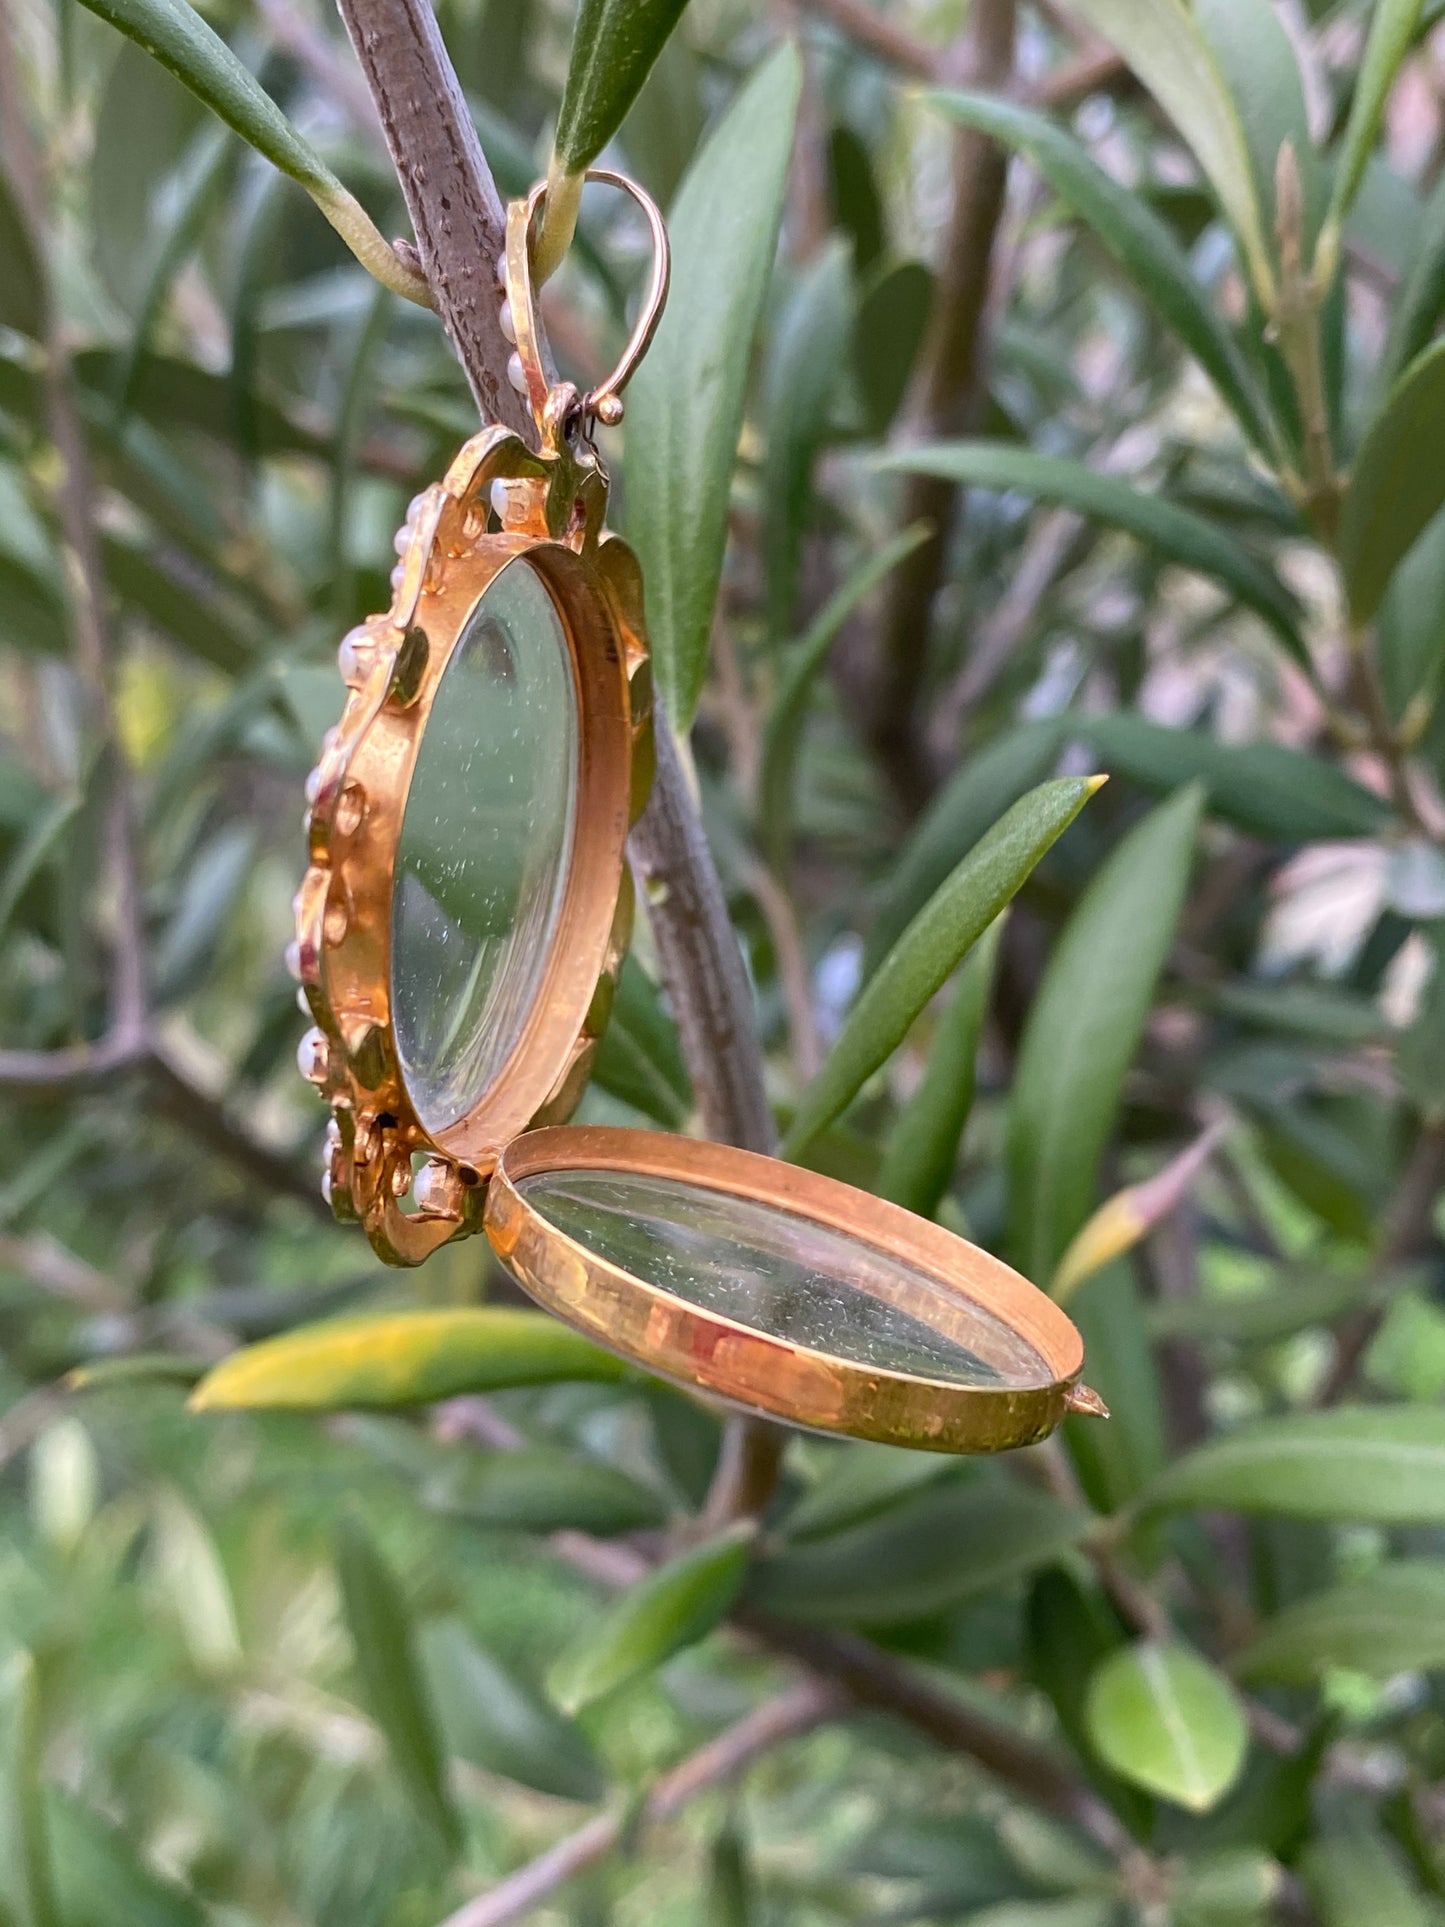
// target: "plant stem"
[[460, 227], [787, 1717], [455, 209]]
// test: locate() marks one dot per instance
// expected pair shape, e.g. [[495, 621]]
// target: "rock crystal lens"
[[764, 1267], [485, 848]]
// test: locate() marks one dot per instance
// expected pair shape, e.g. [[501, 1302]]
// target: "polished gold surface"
[[945, 1347], [500, 504]]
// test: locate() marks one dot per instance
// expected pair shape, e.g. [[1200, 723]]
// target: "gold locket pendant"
[[459, 932]]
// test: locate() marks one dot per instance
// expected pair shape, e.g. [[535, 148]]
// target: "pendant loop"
[[537, 371]]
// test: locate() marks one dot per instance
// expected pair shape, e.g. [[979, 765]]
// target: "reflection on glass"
[[485, 846], [764, 1267]]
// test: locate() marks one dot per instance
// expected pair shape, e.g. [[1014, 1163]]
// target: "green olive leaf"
[[931, 948], [685, 405], [1165, 1719]]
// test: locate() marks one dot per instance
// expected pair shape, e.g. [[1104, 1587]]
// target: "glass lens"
[[781, 1274], [485, 847]]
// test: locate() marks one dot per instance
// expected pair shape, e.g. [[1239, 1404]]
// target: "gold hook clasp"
[[535, 372]]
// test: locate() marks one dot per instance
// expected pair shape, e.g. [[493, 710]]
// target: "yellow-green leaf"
[[403, 1358], [1392, 28]]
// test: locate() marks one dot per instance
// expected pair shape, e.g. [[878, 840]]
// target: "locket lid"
[[781, 1291]]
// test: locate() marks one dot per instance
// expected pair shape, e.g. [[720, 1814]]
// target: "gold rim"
[[703, 1350], [456, 543]]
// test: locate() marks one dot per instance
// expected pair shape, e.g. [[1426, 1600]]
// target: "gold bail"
[[533, 370]]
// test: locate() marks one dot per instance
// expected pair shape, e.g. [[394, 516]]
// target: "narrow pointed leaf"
[[614, 45], [640, 1059], [778, 770], [1161, 42], [1137, 238], [403, 1358], [972, 800], [803, 372], [205, 177], [1257, 61], [1417, 308], [1391, 1620], [954, 1541], [1165, 1719], [1392, 29], [685, 406], [544, 1489], [1264, 788], [1178, 535], [488, 1716], [922, 1148], [861, 1480], [673, 1607], [1382, 1464], [892, 322], [22, 288], [391, 1678], [1084, 1030], [1397, 484], [173, 33], [932, 947]]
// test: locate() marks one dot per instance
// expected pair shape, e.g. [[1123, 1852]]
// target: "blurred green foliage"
[[1178, 520]]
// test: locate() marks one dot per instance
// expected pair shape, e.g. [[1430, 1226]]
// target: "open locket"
[[459, 933]]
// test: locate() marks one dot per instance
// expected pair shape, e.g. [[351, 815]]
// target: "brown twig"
[[881, 36], [455, 209], [56, 1270], [1093, 68], [875, 1678], [202, 1113], [702, 966], [792, 1714], [204, 1117], [1045, 551], [951, 396]]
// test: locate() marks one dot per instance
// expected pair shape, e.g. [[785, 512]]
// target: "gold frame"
[[746, 1367], [498, 502]]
